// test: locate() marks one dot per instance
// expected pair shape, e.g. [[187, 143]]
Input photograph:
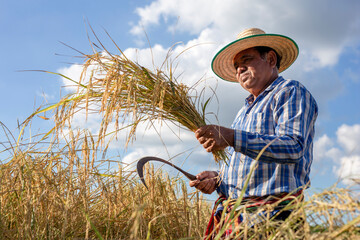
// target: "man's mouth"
[[244, 76]]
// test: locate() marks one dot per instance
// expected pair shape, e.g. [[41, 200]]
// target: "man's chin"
[[246, 83]]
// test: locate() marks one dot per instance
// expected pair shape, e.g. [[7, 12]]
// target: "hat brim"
[[223, 66]]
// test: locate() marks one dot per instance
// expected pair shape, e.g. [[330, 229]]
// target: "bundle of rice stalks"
[[126, 92]]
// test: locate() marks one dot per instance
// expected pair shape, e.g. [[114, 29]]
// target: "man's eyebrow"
[[246, 56], [236, 63], [243, 57]]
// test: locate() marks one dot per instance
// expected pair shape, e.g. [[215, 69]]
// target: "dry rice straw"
[[131, 93]]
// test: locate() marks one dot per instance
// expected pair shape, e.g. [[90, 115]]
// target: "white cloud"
[[343, 151], [184, 15], [322, 37], [324, 149], [349, 138], [349, 169], [322, 29], [73, 72]]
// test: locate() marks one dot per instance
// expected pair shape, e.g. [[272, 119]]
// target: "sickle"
[[142, 161]]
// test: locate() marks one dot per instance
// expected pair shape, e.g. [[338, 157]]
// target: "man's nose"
[[241, 69]]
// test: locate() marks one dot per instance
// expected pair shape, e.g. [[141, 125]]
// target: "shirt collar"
[[276, 82], [250, 99]]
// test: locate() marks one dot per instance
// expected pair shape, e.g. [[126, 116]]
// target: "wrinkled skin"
[[253, 72]]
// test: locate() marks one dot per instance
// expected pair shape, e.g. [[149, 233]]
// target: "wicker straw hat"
[[223, 65]]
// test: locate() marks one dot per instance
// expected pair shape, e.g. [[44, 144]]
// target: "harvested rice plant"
[[60, 184]]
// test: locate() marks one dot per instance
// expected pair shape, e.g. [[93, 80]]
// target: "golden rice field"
[[63, 191], [61, 185]]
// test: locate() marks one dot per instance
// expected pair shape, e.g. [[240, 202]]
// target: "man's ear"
[[271, 58]]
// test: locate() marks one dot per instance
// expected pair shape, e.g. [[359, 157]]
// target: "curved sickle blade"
[[142, 161]]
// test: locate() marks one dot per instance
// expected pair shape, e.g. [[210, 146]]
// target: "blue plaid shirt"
[[284, 111]]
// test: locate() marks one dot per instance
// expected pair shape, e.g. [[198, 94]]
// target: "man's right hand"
[[206, 182], [215, 138]]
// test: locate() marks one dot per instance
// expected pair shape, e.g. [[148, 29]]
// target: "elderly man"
[[277, 111]]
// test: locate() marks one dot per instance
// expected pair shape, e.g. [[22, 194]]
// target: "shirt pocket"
[[257, 123]]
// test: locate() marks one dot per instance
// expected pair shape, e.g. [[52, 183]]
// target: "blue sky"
[[327, 32]]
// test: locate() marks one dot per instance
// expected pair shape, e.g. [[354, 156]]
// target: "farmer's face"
[[253, 72]]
